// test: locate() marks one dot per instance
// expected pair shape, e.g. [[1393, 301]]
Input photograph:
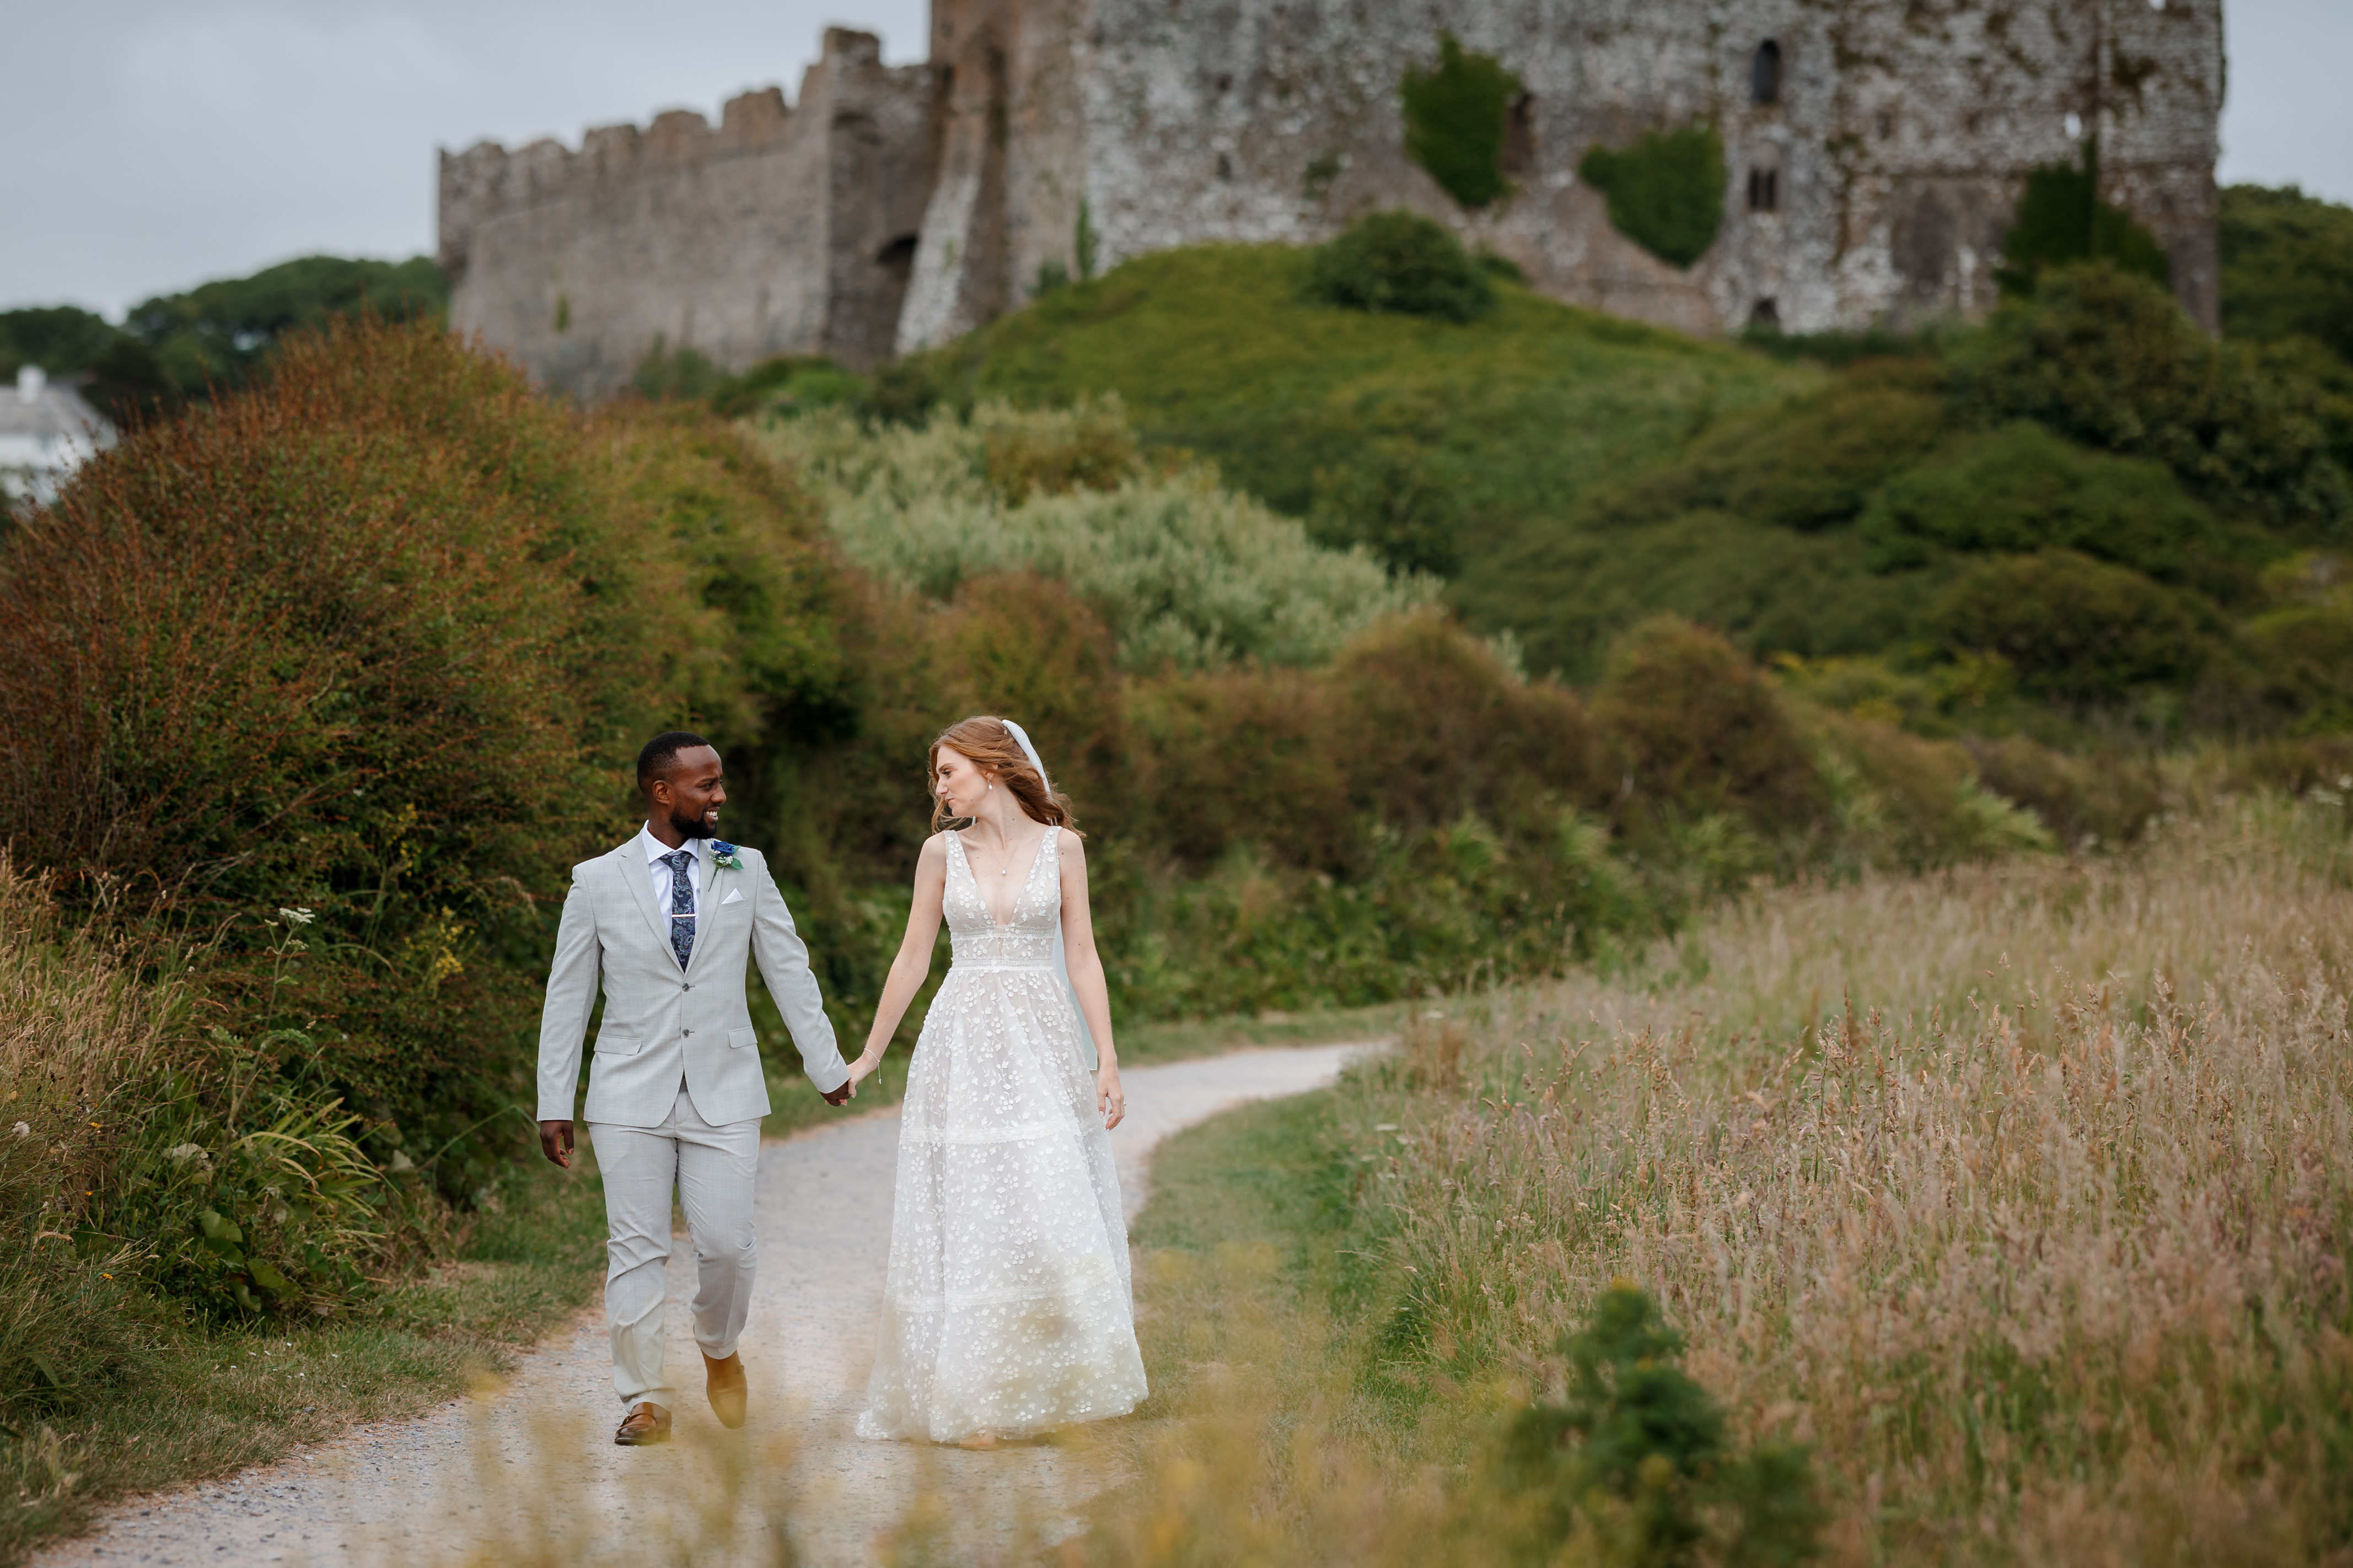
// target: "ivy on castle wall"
[[1454, 121], [2061, 218], [1666, 191]]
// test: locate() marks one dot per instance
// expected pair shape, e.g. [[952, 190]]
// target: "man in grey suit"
[[675, 1090]]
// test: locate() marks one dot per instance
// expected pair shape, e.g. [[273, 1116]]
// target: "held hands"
[[860, 1071], [1109, 1099]]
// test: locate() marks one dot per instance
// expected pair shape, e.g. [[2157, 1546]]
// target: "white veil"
[[1062, 962]]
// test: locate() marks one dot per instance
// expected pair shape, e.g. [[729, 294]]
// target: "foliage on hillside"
[[1182, 572], [1455, 439], [2287, 267], [2079, 503]]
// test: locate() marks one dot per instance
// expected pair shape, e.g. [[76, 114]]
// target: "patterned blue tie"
[[682, 904]]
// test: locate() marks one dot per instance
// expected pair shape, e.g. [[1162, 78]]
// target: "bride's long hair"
[[990, 746]]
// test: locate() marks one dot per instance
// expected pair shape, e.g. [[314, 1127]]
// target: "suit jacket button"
[[689, 985], [689, 1031]]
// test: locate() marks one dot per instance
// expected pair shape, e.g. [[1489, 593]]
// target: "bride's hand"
[[863, 1067], [1109, 1099]]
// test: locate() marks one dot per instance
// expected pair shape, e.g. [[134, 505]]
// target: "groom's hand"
[[841, 1095], [556, 1142]]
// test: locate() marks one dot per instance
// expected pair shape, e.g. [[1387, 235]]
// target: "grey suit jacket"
[[661, 1025]]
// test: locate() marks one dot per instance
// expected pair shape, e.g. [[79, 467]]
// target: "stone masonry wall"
[[894, 208], [1902, 134], [776, 231]]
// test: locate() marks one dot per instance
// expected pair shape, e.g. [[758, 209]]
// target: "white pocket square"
[[735, 895]]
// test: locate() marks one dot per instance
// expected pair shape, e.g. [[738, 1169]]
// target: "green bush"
[[1697, 729], [2106, 358], [2062, 220], [1665, 191], [1454, 121], [2073, 628], [2018, 489], [1401, 262], [1634, 1448]]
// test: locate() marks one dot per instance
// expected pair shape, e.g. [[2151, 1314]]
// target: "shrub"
[[2062, 220], [2106, 358], [1184, 573], [2102, 796], [1454, 115], [2019, 488], [1430, 727], [1665, 191], [2073, 628], [1402, 262], [1698, 729], [1634, 1448]]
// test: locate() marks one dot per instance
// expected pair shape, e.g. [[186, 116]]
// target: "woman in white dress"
[[1008, 1311]]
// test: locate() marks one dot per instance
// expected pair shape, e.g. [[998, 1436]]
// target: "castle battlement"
[[891, 208]]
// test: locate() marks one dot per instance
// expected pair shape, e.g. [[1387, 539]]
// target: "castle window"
[[1764, 190], [1764, 73], [1225, 167], [898, 256], [1764, 316], [1519, 158]]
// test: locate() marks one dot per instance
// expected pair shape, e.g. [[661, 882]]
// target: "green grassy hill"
[[1444, 443], [2080, 509]]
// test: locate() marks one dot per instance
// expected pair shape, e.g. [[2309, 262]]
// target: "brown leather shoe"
[[645, 1423], [724, 1387]]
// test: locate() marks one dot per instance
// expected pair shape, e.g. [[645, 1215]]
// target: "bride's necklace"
[[1006, 855]]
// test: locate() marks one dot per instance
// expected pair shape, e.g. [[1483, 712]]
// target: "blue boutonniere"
[[725, 856]]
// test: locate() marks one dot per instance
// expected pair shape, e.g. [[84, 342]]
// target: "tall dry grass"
[[2019, 1193]]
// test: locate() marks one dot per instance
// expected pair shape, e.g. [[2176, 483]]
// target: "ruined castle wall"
[[1901, 136], [771, 233], [896, 208]]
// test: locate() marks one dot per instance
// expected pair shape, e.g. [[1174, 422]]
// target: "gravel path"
[[525, 1471]]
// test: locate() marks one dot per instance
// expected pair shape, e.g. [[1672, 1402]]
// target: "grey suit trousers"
[[711, 1168]]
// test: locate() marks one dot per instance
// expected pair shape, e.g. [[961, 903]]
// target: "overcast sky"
[[157, 143]]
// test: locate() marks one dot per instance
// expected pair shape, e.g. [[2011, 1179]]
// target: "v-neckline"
[[981, 892]]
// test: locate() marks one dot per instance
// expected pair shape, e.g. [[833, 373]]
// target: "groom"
[[675, 1090]]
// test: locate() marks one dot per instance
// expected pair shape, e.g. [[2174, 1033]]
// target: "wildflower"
[[180, 1151], [21, 1129], [298, 916]]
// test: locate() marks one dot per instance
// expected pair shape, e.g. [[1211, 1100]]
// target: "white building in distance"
[[46, 433]]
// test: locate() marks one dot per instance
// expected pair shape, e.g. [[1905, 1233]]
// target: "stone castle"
[[1876, 148]]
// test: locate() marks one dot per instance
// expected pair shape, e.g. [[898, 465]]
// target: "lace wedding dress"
[[1006, 1310]]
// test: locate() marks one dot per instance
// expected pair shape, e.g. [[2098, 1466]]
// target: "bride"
[[1008, 1311]]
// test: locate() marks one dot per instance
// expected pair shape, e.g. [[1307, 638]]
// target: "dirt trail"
[[527, 1471]]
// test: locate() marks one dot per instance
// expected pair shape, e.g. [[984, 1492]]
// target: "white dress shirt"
[[655, 849]]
